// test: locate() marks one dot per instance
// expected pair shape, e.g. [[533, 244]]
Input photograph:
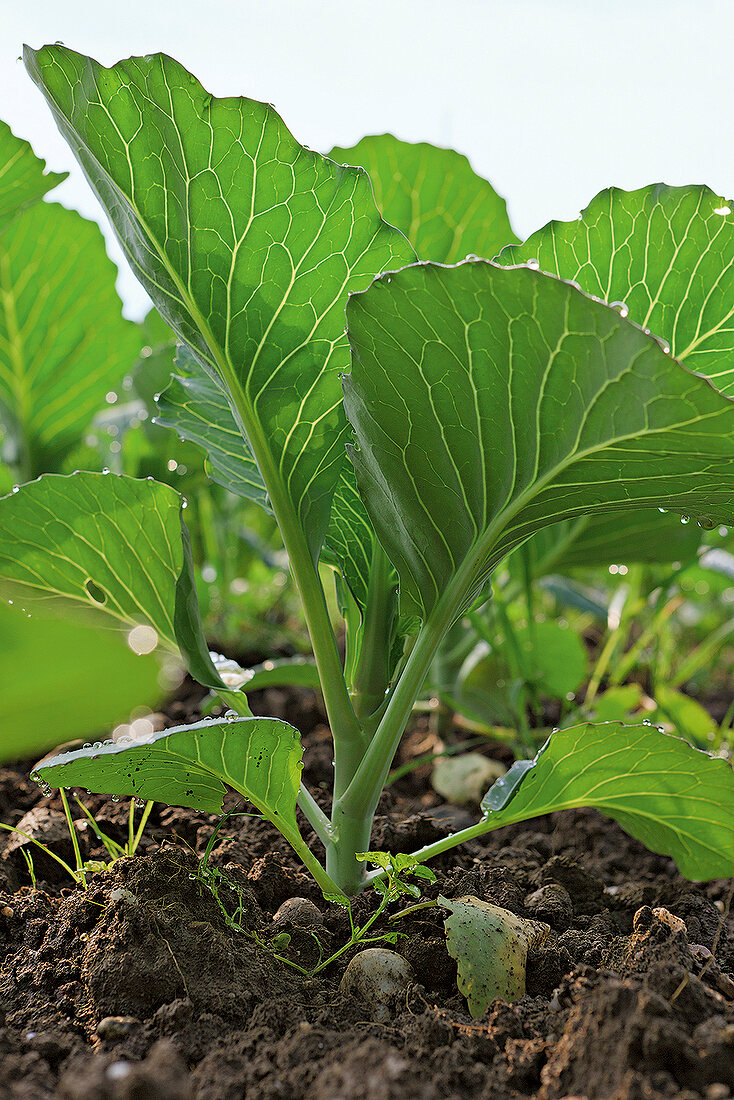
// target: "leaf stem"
[[315, 816], [346, 731], [486, 825], [329, 887]]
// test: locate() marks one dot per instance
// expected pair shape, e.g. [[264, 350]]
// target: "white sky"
[[552, 100]]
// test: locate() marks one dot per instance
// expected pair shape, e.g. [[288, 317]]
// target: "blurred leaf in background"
[[62, 680]]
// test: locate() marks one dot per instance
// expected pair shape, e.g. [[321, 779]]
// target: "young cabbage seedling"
[[466, 408]]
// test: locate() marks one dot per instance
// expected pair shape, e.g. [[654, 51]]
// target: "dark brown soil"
[[137, 989]]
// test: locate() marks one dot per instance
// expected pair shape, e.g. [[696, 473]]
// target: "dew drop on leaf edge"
[[620, 307]]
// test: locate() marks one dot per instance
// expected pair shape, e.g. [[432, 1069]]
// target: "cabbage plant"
[[409, 414]]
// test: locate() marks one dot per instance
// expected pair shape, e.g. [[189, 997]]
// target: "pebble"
[[116, 1027], [121, 893], [717, 1091], [118, 1071], [300, 912], [380, 977], [707, 962], [700, 953]]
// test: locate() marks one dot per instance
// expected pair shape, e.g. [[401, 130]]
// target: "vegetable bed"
[[138, 988]]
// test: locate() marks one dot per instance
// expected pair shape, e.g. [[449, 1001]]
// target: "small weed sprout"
[[82, 868]]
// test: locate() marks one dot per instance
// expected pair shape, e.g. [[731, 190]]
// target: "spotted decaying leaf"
[[490, 945]]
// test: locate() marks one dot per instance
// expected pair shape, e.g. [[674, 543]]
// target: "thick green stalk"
[[372, 670], [344, 725], [361, 797], [347, 734], [352, 618], [351, 833], [353, 811], [351, 836], [343, 872]]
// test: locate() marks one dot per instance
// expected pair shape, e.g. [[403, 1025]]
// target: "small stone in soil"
[[116, 1027], [379, 977], [120, 893], [300, 912], [117, 1071]]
